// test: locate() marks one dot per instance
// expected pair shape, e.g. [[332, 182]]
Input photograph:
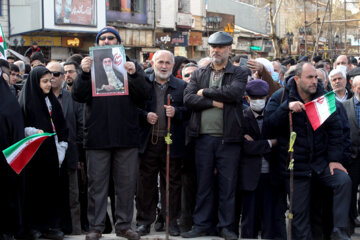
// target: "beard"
[[162, 76], [107, 68]]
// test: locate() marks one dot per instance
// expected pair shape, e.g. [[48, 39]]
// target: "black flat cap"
[[220, 39], [257, 88]]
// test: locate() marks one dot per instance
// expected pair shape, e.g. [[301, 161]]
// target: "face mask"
[[342, 68], [275, 76], [257, 105]]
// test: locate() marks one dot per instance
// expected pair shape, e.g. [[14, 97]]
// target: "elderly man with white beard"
[[153, 147]]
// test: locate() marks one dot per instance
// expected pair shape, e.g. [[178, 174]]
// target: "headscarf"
[[11, 119], [35, 110], [178, 61]]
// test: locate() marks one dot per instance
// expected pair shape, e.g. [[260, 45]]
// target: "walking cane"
[[168, 142], [291, 168]]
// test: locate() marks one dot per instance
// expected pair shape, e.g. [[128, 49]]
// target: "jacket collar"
[[229, 68], [171, 81], [293, 93]]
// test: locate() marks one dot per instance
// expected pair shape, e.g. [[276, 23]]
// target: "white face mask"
[[257, 105]]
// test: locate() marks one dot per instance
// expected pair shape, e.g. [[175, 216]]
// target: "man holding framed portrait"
[[111, 130]]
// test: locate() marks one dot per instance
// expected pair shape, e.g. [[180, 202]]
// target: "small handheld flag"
[[3, 46], [320, 109], [20, 153]]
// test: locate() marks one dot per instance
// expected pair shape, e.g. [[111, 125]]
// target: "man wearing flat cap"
[[254, 169], [214, 95], [111, 140]]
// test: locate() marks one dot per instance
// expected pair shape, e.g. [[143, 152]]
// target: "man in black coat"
[[111, 140], [154, 125], [317, 154], [254, 168], [214, 95]]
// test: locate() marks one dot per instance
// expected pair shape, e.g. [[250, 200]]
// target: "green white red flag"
[[20, 153], [320, 109], [3, 46]]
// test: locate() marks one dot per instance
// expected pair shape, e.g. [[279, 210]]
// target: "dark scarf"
[[11, 120], [35, 110]]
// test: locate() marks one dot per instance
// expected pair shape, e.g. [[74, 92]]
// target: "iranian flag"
[[3, 46], [320, 109], [20, 153]]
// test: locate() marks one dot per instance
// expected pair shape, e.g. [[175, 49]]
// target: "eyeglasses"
[[69, 71], [56, 74], [106, 37], [187, 75]]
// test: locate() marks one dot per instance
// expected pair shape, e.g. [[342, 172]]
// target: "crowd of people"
[[230, 120]]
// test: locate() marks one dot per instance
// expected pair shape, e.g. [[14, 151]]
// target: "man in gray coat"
[[352, 107]]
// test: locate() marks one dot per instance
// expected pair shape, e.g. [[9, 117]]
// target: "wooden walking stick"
[[291, 168], [168, 142]]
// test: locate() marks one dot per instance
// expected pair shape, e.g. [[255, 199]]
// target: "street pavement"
[[161, 236]]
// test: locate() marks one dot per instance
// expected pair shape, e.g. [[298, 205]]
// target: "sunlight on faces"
[[45, 83], [338, 82], [163, 65], [108, 39], [356, 87], [70, 73], [57, 81], [219, 54], [187, 72], [307, 82]]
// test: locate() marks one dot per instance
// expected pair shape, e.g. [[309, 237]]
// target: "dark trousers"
[[152, 163], [341, 185], [258, 210], [212, 153], [188, 187], [354, 173], [123, 162]]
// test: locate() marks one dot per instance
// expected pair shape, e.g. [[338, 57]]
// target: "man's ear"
[[296, 78], [247, 99]]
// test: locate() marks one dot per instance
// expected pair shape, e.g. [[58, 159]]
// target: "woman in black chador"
[[11, 184], [43, 113]]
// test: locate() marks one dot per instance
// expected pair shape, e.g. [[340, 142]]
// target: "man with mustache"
[[153, 147], [318, 155], [214, 95], [338, 84]]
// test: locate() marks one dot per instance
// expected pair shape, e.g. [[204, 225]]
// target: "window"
[[132, 11], [133, 6]]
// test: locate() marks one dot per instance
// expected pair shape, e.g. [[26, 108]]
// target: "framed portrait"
[[75, 12], [108, 75]]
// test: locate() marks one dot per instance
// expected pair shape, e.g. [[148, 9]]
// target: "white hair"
[[355, 80], [337, 71], [21, 65], [158, 52]]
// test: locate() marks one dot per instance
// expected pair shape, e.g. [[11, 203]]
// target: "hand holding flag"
[[20, 153], [320, 109]]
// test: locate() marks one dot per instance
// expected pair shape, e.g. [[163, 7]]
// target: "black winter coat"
[[112, 122], [178, 122], [313, 150], [230, 93]]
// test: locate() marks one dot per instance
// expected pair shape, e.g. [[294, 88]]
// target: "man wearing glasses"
[[111, 142], [187, 70], [71, 70]]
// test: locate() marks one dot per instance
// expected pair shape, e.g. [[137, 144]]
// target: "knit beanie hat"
[[108, 29]]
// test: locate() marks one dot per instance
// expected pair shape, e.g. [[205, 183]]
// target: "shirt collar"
[[356, 102], [256, 115]]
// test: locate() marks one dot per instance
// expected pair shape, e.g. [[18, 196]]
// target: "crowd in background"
[[114, 147]]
